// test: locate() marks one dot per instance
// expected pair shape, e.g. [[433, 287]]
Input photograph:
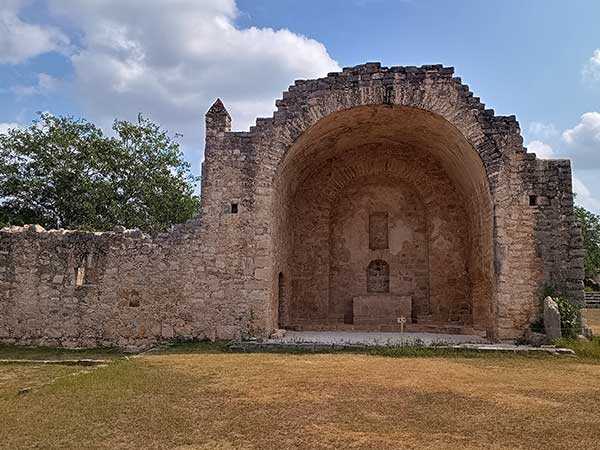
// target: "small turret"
[[218, 119], [218, 122]]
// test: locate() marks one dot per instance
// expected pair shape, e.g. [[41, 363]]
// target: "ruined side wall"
[[557, 233], [81, 289], [201, 280], [538, 242]]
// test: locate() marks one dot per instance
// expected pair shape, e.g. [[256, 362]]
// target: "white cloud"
[[5, 126], [584, 196], [583, 141], [542, 150], [541, 131], [170, 63], [20, 40], [581, 144], [591, 71], [44, 85]]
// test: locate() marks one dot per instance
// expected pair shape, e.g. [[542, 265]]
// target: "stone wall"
[[396, 253], [231, 271], [82, 289], [557, 233]]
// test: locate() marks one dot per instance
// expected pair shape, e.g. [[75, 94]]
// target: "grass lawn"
[[209, 399], [593, 319]]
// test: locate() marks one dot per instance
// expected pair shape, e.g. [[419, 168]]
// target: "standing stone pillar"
[[552, 319]]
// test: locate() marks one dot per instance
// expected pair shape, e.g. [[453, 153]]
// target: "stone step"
[[432, 327]]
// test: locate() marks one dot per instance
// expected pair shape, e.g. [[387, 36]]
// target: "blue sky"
[[102, 59]]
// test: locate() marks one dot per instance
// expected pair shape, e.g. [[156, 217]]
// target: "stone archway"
[[394, 184], [510, 248]]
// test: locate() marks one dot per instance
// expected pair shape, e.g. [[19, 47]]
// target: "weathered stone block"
[[551, 319], [381, 309]]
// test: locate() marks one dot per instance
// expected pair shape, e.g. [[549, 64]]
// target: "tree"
[[590, 228], [65, 173]]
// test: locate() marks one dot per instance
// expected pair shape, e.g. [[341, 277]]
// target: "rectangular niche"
[[378, 230]]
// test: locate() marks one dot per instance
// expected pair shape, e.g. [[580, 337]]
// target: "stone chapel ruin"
[[371, 195]]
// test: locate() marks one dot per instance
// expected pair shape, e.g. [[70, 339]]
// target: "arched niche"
[[412, 151]]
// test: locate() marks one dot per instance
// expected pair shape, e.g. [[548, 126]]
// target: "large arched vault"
[[398, 172], [380, 193]]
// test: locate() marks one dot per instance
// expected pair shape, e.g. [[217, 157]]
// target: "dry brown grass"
[[593, 319], [278, 401]]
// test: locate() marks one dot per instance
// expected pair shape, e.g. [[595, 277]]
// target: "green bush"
[[583, 348], [570, 324], [569, 317]]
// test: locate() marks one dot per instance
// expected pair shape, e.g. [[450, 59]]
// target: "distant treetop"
[[63, 172]]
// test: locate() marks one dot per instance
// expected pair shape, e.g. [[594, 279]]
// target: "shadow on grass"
[[54, 353], [589, 350], [190, 347], [415, 351]]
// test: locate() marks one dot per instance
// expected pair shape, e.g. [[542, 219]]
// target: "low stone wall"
[[84, 289]]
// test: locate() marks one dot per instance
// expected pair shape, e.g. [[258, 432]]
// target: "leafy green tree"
[[590, 228], [65, 173]]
